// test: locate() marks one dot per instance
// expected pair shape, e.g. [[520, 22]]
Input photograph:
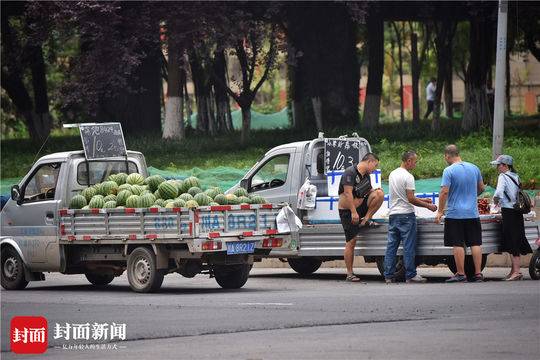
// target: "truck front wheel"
[[469, 265], [232, 276], [399, 273], [143, 275], [534, 265], [12, 270], [99, 279], [304, 265]]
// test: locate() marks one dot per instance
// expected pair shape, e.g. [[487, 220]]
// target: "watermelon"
[[244, 200], [96, 202], [179, 203], [257, 199], [124, 187], [213, 204], [169, 205], [202, 199], [135, 179], [85, 207], [119, 178], [157, 194], [134, 201], [221, 199], [155, 207], [194, 190], [89, 193], [109, 198], [77, 202], [179, 185], [120, 207], [137, 189], [110, 205], [153, 182], [240, 192], [191, 204], [231, 199], [147, 200], [167, 190], [190, 182], [167, 202], [186, 197], [159, 202], [123, 196], [212, 192]]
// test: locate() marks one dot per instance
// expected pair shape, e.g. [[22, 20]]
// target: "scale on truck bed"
[[101, 141]]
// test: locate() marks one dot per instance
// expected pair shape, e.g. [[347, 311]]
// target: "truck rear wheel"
[[12, 270], [304, 265], [143, 276], [534, 265], [469, 265], [232, 276], [99, 279], [399, 274]]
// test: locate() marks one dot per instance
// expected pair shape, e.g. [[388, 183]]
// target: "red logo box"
[[29, 334]]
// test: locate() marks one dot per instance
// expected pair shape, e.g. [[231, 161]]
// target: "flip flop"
[[370, 224], [352, 278]]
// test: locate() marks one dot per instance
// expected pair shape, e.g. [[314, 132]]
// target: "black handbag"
[[523, 201]]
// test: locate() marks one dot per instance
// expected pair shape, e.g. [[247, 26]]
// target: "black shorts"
[[351, 230], [462, 231]]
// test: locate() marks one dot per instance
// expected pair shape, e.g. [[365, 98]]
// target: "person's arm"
[[420, 202], [499, 191], [481, 187], [443, 196], [349, 203]]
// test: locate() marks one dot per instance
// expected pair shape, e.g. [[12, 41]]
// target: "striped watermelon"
[[190, 182], [77, 202], [85, 207], [194, 190], [147, 200], [137, 189], [167, 190], [135, 179], [159, 202], [186, 197], [191, 204], [153, 182], [232, 199], [212, 192], [89, 193], [257, 199], [110, 205], [179, 203], [244, 200], [221, 199], [240, 192], [124, 187], [202, 199], [119, 178], [96, 202], [134, 201], [110, 198], [213, 204], [122, 197]]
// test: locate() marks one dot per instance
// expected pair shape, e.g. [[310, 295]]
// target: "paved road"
[[279, 315]]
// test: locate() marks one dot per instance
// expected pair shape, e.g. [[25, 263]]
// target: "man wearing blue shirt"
[[461, 185]]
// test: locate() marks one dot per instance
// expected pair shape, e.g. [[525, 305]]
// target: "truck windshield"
[[100, 170]]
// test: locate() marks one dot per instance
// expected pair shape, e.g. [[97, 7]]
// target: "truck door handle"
[[49, 215]]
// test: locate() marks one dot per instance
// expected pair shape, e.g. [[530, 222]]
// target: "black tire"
[[232, 276], [304, 265], [12, 270], [143, 276], [399, 274], [534, 265], [469, 265], [99, 279]]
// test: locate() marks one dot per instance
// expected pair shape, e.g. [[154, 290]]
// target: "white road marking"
[[274, 304]]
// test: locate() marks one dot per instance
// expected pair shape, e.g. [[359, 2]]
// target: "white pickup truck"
[[39, 234], [281, 172]]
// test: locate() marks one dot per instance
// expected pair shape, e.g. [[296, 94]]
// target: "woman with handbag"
[[514, 240]]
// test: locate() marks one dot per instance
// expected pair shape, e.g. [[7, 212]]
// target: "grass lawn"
[[522, 141]]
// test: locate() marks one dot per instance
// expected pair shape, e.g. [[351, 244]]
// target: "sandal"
[[370, 224], [516, 277], [352, 278]]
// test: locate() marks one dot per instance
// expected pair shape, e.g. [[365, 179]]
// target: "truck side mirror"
[[244, 183], [15, 193]]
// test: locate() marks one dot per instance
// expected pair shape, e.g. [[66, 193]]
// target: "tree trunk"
[[400, 71], [317, 110], [443, 43], [173, 127], [415, 70], [476, 113], [246, 123], [326, 63], [448, 88], [372, 106], [223, 111]]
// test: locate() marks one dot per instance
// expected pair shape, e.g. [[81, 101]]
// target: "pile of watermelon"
[[134, 191]]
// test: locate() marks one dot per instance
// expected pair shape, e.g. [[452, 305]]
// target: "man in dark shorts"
[[358, 201], [461, 184]]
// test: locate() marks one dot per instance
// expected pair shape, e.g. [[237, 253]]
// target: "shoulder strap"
[[513, 180]]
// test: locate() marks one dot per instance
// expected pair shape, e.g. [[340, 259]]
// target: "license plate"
[[241, 247]]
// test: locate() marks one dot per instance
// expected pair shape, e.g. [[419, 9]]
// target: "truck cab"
[[28, 218]]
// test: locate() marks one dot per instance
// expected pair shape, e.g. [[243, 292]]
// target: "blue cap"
[[503, 159]]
